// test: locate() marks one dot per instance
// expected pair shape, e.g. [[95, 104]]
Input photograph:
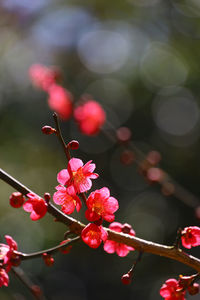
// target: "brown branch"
[[52, 250], [135, 242], [60, 137], [19, 273]]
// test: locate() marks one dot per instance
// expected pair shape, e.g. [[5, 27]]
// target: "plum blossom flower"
[[93, 235], [112, 246], [190, 236], [12, 246], [171, 290], [36, 206], [8, 258], [90, 117], [42, 76], [101, 205], [67, 198], [60, 101], [4, 279], [78, 175]]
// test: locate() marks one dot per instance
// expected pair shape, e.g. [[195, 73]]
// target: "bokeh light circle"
[[103, 51]]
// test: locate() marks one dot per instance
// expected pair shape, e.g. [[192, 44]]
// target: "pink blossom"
[[78, 175], [93, 235], [90, 117], [7, 252], [42, 76], [36, 206], [112, 246], [4, 279], [190, 236], [101, 205], [60, 101], [67, 198], [171, 290]]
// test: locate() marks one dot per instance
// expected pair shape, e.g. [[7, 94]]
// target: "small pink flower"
[[4, 279], [78, 175], [42, 76], [60, 101], [90, 117], [93, 235], [67, 198], [190, 236], [7, 252], [36, 206], [171, 290], [112, 246], [101, 205]]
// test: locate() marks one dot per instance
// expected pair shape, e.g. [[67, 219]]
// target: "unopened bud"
[[47, 197], [123, 134], [67, 249], [126, 228], [48, 259], [74, 145], [127, 157], [126, 279], [36, 290], [48, 130], [193, 289], [16, 199], [15, 260]]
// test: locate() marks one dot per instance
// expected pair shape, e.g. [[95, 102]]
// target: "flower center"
[[98, 208], [78, 176]]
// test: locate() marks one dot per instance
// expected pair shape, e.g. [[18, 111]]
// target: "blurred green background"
[[140, 60]]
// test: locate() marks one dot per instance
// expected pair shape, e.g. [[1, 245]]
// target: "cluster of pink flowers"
[[76, 179], [89, 115], [174, 289], [8, 259]]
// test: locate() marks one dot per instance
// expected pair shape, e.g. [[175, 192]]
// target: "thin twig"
[[25, 256], [19, 273], [60, 137], [135, 242]]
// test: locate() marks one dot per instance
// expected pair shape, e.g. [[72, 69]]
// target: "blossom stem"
[[19, 273], [56, 213], [60, 137], [130, 272], [52, 250], [84, 198], [132, 241], [178, 239]]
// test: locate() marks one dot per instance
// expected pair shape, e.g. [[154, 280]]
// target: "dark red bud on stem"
[[73, 145], [126, 279], [48, 130]]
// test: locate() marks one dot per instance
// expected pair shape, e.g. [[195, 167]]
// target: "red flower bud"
[[48, 259], [15, 260], [16, 199], [123, 134], [67, 249], [127, 157], [36, 290], [126, 279], [74, 145], [48, 130], [47, 197], [126, 228], [193, 289]]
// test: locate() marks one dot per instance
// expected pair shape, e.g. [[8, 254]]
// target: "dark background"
[[140, 60]]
